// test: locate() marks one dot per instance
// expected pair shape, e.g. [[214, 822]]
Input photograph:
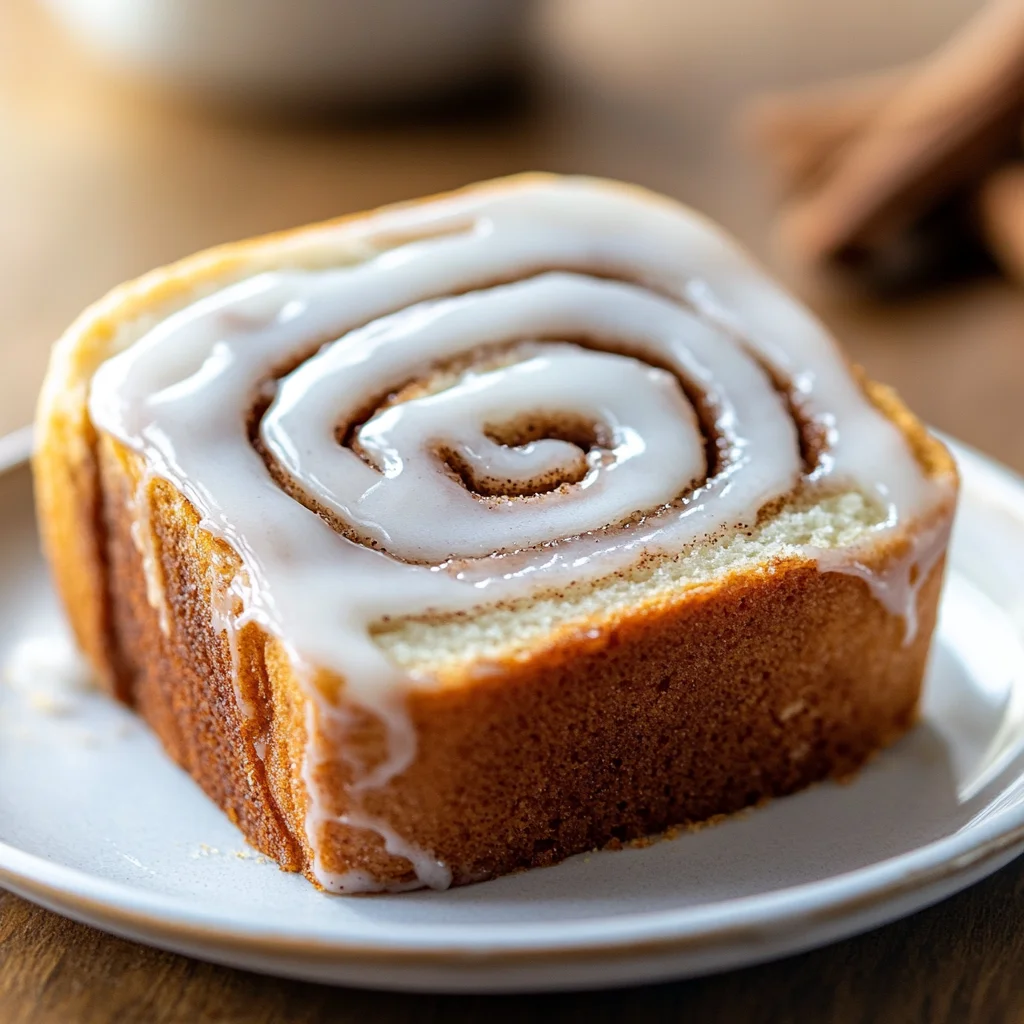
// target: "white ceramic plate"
[[97, 824]]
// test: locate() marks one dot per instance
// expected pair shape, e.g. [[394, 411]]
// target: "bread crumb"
[[50, 704], [253, 855]]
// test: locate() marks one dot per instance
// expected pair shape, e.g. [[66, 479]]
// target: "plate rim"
[[966, 854]]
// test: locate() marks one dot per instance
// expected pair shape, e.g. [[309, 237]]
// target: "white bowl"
[[347, 50]]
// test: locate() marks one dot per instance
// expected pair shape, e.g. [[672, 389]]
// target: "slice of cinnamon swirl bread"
[[465, 535]]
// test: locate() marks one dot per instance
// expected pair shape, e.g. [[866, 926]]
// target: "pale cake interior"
[[839, 520]]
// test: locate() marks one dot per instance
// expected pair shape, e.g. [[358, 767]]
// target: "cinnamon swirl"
[[465, 535]]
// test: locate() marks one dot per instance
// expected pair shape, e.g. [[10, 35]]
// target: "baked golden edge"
[[765, 677]]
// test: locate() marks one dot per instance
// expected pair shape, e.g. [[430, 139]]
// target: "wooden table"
[[99, 182]]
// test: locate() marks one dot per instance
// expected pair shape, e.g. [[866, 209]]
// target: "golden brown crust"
[[745, 690], [674, 711]]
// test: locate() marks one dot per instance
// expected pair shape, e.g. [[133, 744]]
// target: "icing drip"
[[897, 588], [227, 607], [145, 544], [428, 870], [599, 371]]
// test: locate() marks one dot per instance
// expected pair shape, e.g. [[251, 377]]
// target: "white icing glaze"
[[675, 307]]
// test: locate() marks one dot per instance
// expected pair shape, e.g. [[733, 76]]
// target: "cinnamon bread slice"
[[465, 535]]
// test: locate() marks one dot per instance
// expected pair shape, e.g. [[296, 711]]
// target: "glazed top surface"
[[524, 386]]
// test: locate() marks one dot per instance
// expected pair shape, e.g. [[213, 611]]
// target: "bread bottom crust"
[[748, 689]]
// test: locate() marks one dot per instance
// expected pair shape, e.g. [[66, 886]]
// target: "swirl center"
[[568, 440], [495, 496]]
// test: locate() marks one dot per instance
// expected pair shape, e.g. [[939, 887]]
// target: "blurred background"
[[133, 132]]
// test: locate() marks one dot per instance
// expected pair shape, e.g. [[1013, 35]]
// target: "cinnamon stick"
[[800, 133], [948, 124], [1001, 216]]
